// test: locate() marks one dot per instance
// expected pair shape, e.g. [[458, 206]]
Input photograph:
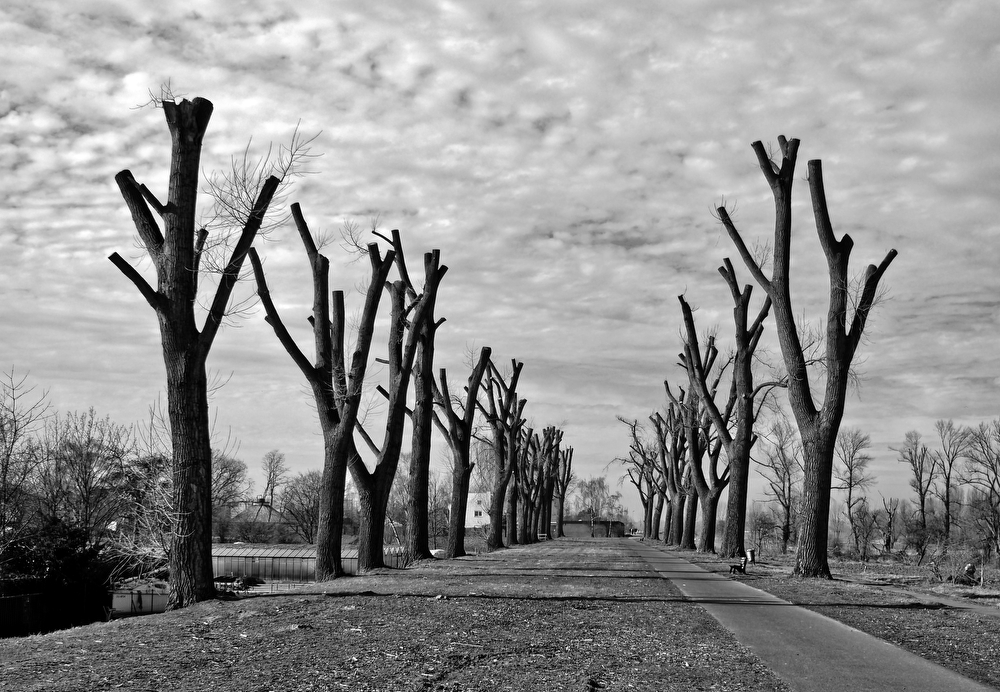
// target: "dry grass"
[[564, 615], [955, 626]]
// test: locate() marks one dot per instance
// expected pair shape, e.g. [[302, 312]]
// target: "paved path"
[[809, 651]]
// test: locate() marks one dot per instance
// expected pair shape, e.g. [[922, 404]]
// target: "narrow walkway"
[[811, 652]]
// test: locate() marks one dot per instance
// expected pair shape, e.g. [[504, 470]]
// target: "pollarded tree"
[[176, 253], [336, 388], [704, 440], [735, 424], [504, 416], [564, 480], [671, 449], [406, 324], [642, 471], [457, 428], [416, 529], [846, 318]]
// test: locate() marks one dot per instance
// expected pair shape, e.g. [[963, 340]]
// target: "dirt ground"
[[572, 614], [563, 615]]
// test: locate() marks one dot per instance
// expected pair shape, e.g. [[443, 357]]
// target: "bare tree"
[[671, 449], [982, 472], [954, 445], [416, 530], [923, 467], [504, 417], [406, 324], [457, 428], [275, 472], [641, 469], [301, 502], [782, 469], [563, 483], [22, 413], [735, 425], [889, 527], [818, 426], [854, 476], [704, 439], [80, 480], [336, 389], [176, 254]]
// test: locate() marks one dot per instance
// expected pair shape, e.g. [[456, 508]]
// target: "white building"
[[477, 512]]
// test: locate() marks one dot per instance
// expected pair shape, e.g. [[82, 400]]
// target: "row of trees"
[[532, 468], [702, 442], [955, 502]]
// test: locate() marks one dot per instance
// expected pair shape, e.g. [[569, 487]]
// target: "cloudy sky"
[[564, 156]]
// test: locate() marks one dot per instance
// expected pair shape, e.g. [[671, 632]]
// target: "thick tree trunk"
[[512, 515], [677, 514], [733, 536], [373, 500], [175, 253], [709, 514], [690, 518], [191, 575], [417, 539], [460, 479], [494, 540], [814, 518], [330, 527], [656, 516]]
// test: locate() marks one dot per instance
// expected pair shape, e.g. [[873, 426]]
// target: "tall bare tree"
[[704, 440], [406, 324], [336, 389], [734, 425], [301, 503], [457, 428], [275, 471], [22, 413], [781, 467], [504, 416], [847, 315], [954, 445], [982, 472], [854, 476], [564, 481], [671, 451], [176, 253], [923, 470]]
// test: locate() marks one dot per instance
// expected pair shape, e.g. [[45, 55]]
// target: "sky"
[[566, 159]]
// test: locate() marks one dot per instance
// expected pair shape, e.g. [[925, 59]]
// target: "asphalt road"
[[812, 653]]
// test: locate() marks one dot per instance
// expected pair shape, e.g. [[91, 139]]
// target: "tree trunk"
[[190, 558], [461, 477], [677, 514], [844, 328], [690, 517], [512, 510], [709, 513], [417, 539], [176, 255]]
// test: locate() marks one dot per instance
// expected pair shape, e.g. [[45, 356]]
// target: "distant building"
[[477, 512]]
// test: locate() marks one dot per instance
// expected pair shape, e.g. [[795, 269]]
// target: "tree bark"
[[176, 254], [458, 433], [375, 486], [817, 427], [336, 390]]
